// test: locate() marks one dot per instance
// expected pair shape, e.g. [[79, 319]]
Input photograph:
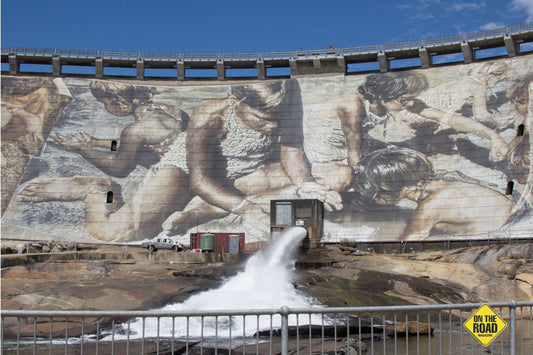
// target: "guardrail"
[[262, 55], [419, 329]]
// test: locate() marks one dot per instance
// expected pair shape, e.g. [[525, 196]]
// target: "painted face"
[[10, 109], [7, 113], [394, 105], [377, 108], [262, 100], [160, 114], [384, 201], [117, 105]]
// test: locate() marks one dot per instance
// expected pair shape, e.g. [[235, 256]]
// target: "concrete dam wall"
[[442, 153]]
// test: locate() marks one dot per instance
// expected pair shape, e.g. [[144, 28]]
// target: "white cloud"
[[403, 6], [458, 28], [524, 5], [491, 26], [421, 17], [466, 6]]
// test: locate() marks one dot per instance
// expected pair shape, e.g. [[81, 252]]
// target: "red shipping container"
[[221, 241]]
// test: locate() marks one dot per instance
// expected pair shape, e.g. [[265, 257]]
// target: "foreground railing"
[[427, 329]]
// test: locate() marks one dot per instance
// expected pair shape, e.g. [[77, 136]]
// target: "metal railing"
[[414, 329], [45, 52]]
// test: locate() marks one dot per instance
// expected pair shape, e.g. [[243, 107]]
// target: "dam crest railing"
[[300, 62], [266, 55]]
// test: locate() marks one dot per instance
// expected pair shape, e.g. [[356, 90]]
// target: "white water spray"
[[266, 283]]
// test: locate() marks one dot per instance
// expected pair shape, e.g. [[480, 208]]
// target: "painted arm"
[[293, 158], [498, 147], [130, 152], [424, 218], [351, 111], [206, 131]]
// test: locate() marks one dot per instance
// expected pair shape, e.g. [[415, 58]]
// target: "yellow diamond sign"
[[485, 325]]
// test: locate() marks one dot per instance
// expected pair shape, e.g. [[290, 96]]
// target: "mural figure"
[[245, 150], [144, 142], [483, 94], [27, 105], [403, 155], [30, 108], [382, 96], [253, 115], [447, 202], [154, 140], [520, 164], [486, 95], [386, 111]]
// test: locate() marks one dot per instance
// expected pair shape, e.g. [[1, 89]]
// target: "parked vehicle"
[[162, 243]]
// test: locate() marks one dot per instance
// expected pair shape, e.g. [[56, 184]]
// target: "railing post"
[[512, 335], [284, 311]]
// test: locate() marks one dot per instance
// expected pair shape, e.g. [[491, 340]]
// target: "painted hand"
[[311, 190], [498, 149], [73, 143]]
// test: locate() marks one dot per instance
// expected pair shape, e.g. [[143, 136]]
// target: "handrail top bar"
[[331, 50], [245, 312]]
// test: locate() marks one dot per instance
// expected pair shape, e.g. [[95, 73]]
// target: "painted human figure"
[[155, 140], [30, 107], [246, 149], [446, 202], [386, 110], [241, 132], [519, 162], [26, 105]]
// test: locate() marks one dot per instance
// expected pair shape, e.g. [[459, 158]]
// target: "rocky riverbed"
[[480, 274], [335, 275]]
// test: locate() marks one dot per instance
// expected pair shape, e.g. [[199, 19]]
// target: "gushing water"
[[266, 283]]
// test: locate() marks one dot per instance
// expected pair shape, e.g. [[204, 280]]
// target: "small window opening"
[[110, 197], [520, 130], [509, 189], [113, 145]]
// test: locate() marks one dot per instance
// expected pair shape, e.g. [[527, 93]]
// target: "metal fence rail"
[[427, 329]]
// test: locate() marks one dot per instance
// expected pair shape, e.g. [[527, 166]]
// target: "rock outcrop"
[[480, 274], [334, 275]]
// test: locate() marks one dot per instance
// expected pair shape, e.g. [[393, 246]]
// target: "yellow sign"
[[485, 325]]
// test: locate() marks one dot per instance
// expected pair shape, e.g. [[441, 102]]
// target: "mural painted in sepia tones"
[[420, 154]]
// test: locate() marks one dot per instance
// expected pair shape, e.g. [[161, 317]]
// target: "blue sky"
[[245, 25]]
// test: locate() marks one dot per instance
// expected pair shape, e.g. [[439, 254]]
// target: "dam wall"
[[436, 153]]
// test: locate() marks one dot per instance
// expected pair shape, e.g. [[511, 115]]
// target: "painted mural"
[[425, 154]]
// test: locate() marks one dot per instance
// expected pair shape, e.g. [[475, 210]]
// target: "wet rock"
[[35, 248], [314, 264], [525, 274], [58, 248], [347, 346], [318, 346], [411, 327]]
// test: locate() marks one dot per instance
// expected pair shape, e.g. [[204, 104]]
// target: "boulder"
[[411, 327], [35, 248], [58, 248]]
